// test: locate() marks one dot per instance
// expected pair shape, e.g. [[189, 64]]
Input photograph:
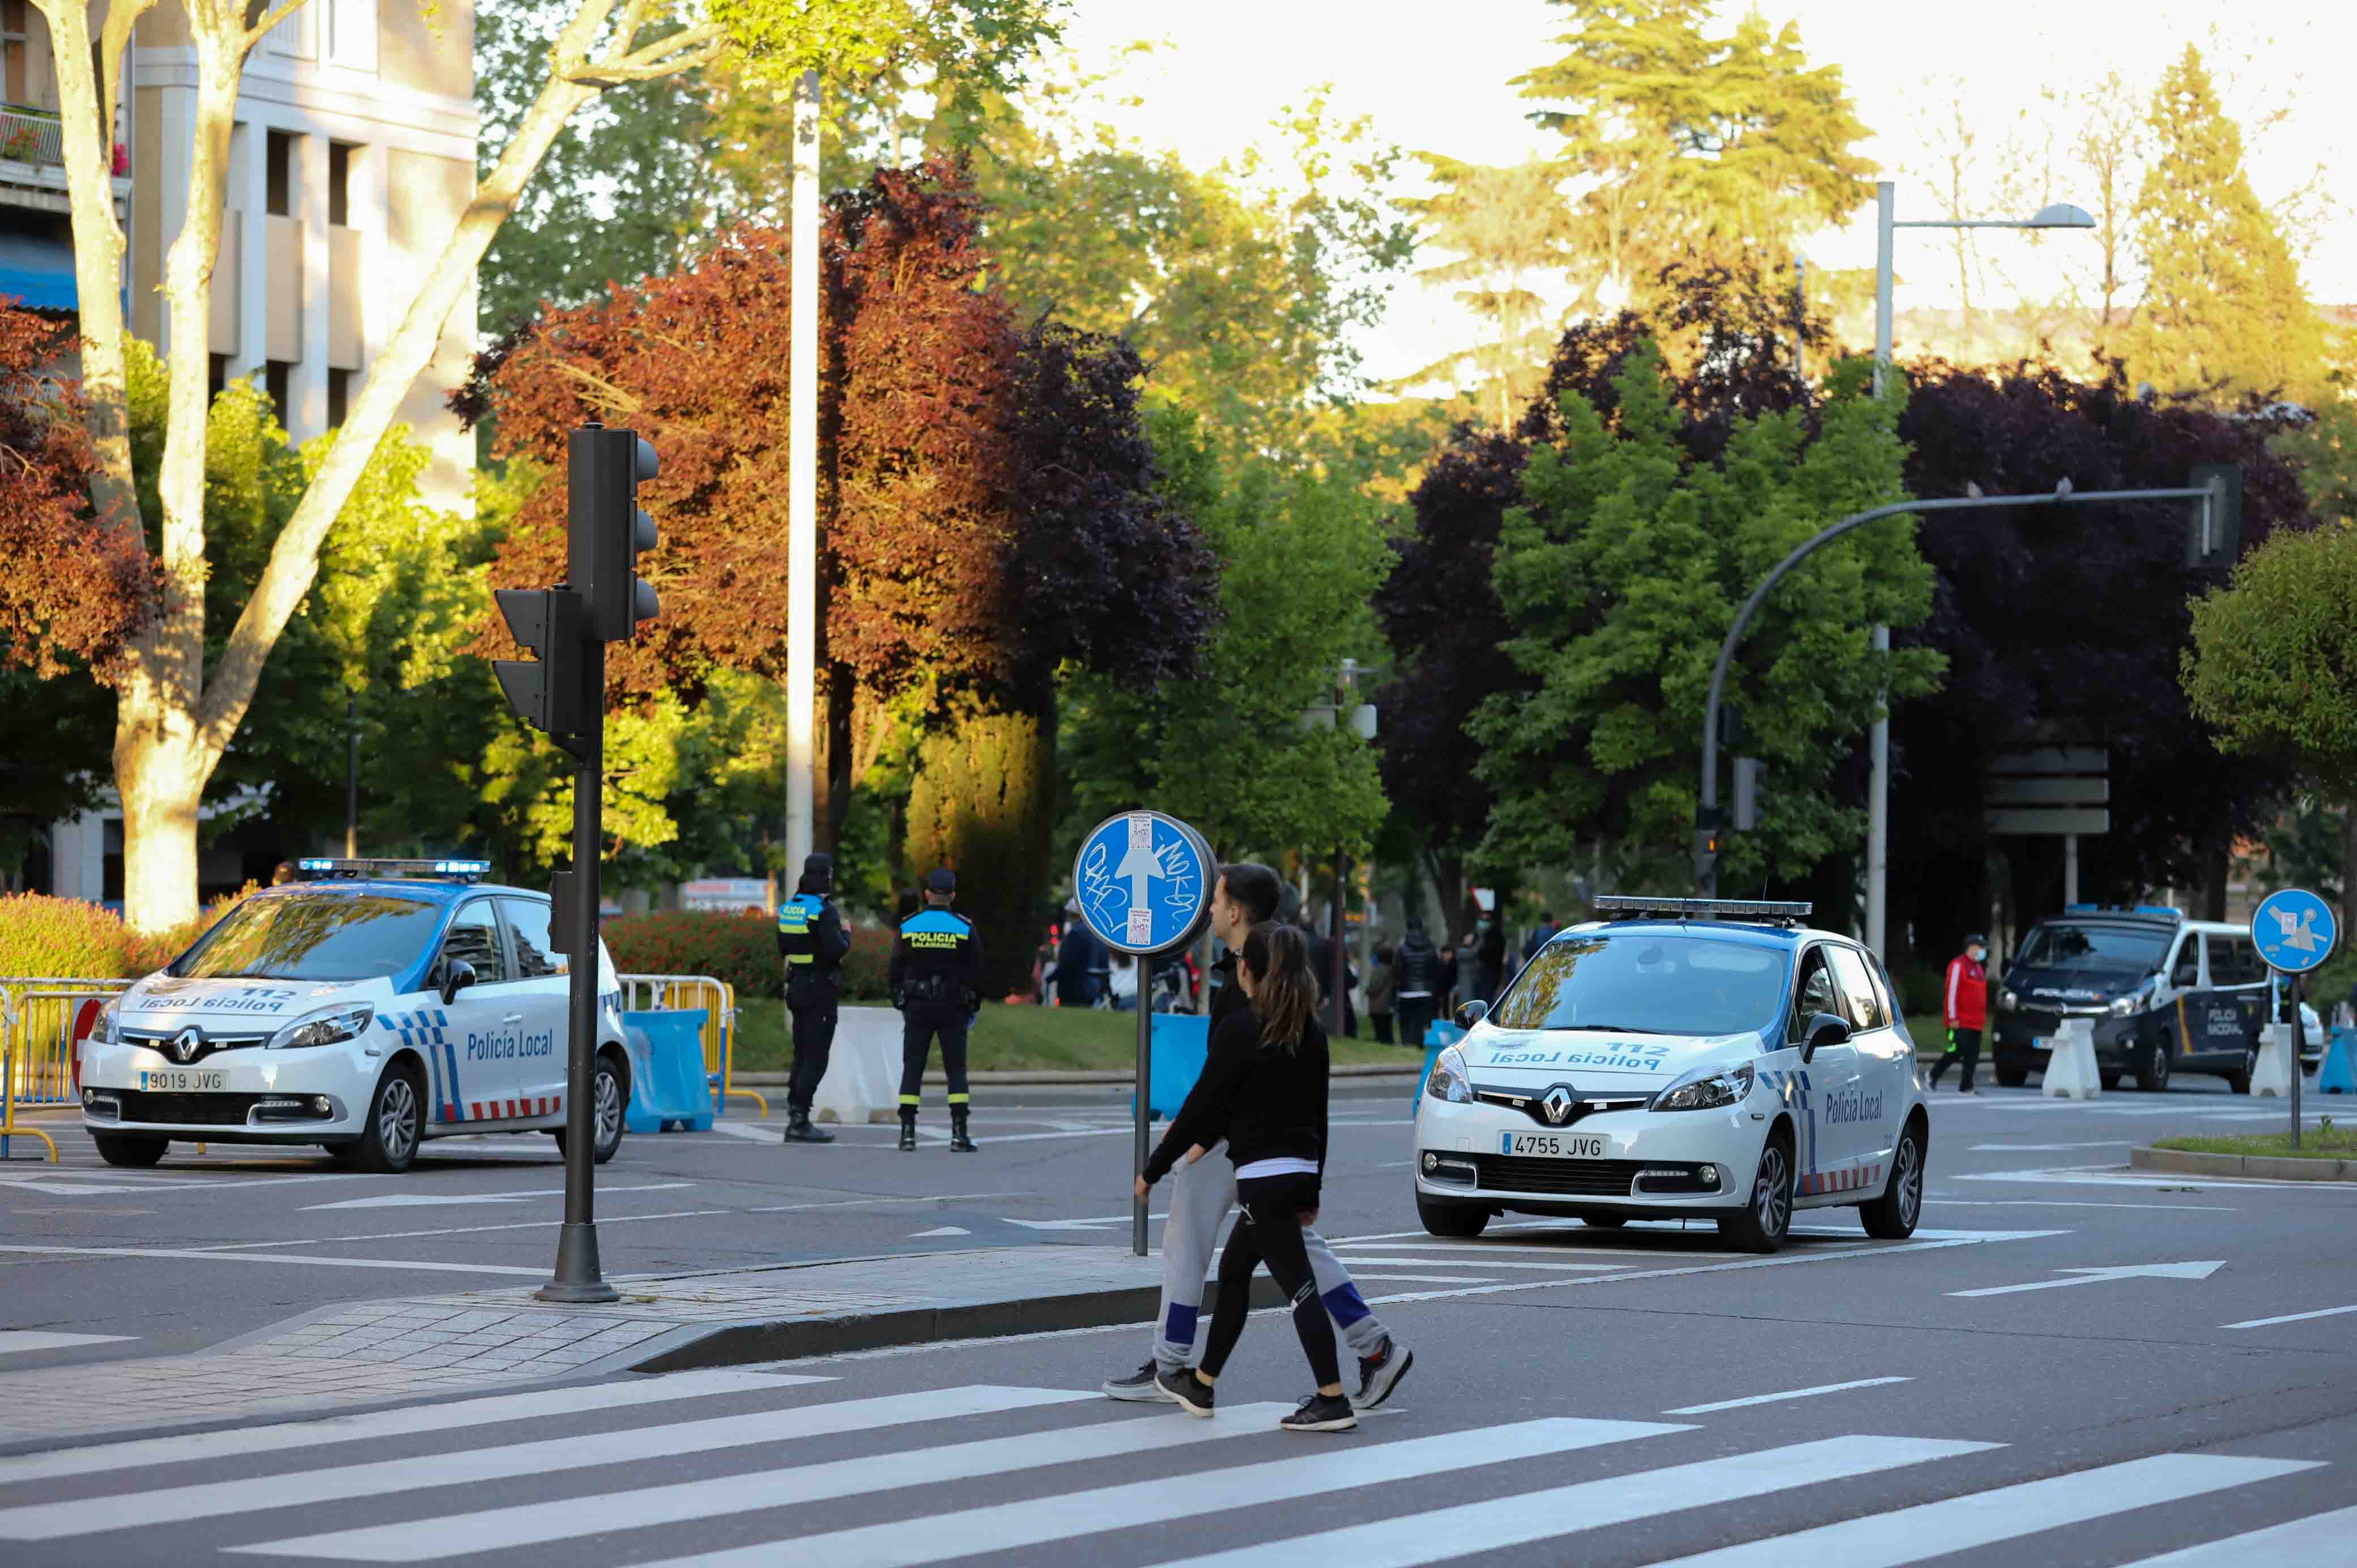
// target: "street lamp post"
[[2055, 215]]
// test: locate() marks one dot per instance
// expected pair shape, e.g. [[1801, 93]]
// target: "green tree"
[[1620, 572], [1692, 143], [2274, 664], [2224, 312], [2325, 452], [1507, 230]]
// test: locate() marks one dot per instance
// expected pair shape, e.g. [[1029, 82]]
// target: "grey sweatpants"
[[1200, 1196]]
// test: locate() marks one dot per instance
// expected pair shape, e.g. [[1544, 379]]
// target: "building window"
[[340, 184], [274, 380], [339, 391], [282, 174], [13, 44], [217, 378]]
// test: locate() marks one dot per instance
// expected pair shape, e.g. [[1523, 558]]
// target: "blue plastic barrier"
[[668, 1086], [1436, 1040], [2338, 1073], [1181, 1042]]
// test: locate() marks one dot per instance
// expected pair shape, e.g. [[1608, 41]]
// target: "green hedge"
[[68, 938], [740, 948]]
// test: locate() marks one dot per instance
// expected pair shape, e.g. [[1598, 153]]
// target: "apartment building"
[[353, 155]]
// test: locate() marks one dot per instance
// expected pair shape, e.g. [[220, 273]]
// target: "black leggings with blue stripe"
[[1270, 1232]]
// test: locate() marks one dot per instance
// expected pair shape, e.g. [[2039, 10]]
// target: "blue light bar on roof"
[[459, 870], [1613, 905]]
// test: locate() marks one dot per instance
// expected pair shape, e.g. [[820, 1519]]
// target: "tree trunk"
[[159, 771], [982, 803], [2348, 860]]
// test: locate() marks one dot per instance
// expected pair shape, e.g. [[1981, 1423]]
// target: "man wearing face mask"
[[1966, 1009]]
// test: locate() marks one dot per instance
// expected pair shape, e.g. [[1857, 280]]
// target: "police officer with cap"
[[812, 940], [936, 979]]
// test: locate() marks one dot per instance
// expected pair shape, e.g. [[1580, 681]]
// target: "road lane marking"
[[753, 1132], [2006, 1513], [2292, 1317], [1423, 1279], [1039, 1521], [140, 1453], [2114, 1176], [2316, 1539], [2065, 1203], [2049, 1148], [1502, 1523], [2105, 1276], [15, 1340], [535, 1524], [233, 1256], [555, 1455], [436, 1200], [1356, 1259], [1792, 1394]]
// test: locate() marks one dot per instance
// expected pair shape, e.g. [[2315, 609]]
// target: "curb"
[[2274, 1167], [1090, 1078]]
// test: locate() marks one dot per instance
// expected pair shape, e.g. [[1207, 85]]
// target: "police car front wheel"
[[1765, 1220], [397, 1121], [1458, 1221], [128, 1149]]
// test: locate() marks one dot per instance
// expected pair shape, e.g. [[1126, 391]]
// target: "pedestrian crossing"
[[800, 1467]]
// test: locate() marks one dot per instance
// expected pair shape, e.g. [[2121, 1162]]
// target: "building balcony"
[[32, 136]]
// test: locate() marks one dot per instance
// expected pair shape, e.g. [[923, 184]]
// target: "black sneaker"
[[1320, 1412], [1379, 1375], [1185, 1390], [1141, 1387]]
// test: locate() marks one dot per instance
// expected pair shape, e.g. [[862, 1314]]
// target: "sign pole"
[[1143, 1147], [579, 1276], [2299, 984]]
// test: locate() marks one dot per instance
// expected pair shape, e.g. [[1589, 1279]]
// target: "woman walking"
[[1263, 1088]]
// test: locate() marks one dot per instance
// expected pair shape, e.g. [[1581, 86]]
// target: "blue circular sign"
[[1144, 883], [2294, 931]]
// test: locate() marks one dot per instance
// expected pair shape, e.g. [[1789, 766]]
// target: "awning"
[[36, 272]]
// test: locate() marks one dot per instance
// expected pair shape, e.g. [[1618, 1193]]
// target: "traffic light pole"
[[1706, 863], [579, 1278]]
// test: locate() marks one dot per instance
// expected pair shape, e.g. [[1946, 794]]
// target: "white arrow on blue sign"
[[1144, 882], [2294, 931]]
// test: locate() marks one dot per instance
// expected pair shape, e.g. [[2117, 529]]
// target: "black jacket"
[[936, 965], [1417, 969], [1265, 1102]]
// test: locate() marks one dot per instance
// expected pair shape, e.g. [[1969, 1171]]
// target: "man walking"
[[1415, 983], [1967, 1011], [811, 940], [936, 979], [1202, 1193]]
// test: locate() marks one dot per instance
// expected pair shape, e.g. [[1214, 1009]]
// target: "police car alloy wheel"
[[397, 1121], [1767, 1219], [2152, 1072]]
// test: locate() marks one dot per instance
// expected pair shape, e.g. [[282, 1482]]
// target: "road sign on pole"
[[2295, 932], [1143, 884]]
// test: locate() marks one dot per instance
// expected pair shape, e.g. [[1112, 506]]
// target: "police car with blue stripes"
[[367, 1007], [1680, 1057]]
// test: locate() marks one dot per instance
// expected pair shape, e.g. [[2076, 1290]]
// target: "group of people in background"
[[1414, 983]]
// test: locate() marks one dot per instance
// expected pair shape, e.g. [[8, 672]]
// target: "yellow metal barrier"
[[680, 993], [38, 1015]]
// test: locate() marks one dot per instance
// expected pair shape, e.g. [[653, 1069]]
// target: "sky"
[[1435, 78]]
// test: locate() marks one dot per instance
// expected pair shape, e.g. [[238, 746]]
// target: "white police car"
[[1680, 1057], [373, 1005]]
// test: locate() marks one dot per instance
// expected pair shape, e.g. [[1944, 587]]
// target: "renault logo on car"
[[187, 1043], [1557, 1103]]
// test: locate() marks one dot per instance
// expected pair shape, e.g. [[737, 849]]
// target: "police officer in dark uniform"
[[811, 940], [936, 979]]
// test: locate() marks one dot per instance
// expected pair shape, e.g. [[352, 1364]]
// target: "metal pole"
[[1340, 969], [2070, 869], [351, 777], [2299, 1044], [578, 1277], [802, 483], [1142, 1114], [1877, 743], [1886, 201]]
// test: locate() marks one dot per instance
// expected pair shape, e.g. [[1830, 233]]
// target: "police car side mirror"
[[1824, 1029], [1471, 1013], [455, 979]]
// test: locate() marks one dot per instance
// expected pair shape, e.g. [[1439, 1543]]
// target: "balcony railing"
[[31, 136]]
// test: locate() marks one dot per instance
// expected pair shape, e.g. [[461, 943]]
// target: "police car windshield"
[[1647, 983], [315, 935], [2132, 950]]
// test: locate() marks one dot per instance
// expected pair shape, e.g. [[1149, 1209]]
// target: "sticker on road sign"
[[2294, 931], [1143, 882]]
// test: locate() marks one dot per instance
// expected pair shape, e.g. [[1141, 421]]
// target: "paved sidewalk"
[[382, 1352]]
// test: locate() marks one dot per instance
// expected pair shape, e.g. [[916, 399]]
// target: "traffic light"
[[2213, 534], [1747, 794], [607, 530], [1710, 827], [550, 694]]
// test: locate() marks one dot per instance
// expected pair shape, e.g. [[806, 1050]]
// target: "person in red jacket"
[[1967, 1011]]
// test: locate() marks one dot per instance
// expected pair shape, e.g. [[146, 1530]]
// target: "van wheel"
[[1892, 1216], [2152, 1067], [129, 1150], [2240, 1082], [397, 1121], [1768, 1219], [2011, 1077], [1605, 1221], [607, 1099], [1458, 1221], [2111, 1080]]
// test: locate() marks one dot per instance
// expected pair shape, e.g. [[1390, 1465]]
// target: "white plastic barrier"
[[2071, 1072], [2273, 1075], [863, 1070]]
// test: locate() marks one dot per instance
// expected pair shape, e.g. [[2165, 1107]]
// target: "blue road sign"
[[1144, 882], [2295, 930]]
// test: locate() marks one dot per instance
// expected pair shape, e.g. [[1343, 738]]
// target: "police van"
[[2164, 995], [369, 1006], [1680, 1057]]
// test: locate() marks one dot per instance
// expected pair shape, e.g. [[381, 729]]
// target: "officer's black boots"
[[960, 1139], [908, 1130], [800, 1129]]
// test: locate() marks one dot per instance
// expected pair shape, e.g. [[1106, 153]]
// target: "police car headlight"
[[2128, 1004], [1707, 1088], [337, 1024], [102, 1032], [1449, 1080], [2007, 1000]]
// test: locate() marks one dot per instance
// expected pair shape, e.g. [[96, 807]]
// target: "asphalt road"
[[1604, 1398]]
